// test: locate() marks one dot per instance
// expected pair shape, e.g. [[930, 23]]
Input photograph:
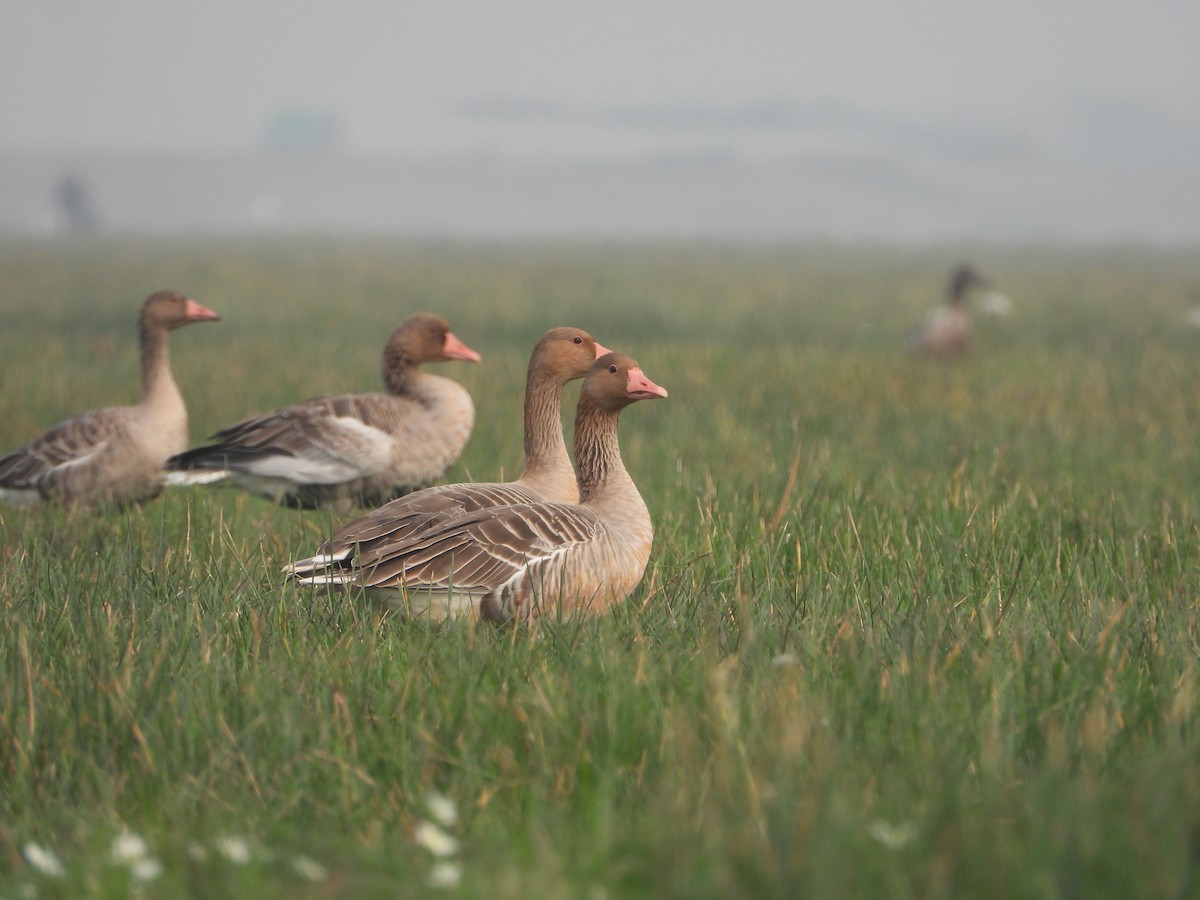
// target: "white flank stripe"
[[319, 561], [196, 476], [325, 579]]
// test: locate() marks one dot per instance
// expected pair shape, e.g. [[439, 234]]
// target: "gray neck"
[[597, 451], [545, 448], [157, 383]]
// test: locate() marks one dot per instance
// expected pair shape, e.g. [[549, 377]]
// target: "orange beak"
[[639, 387], [194, 312], [601, 350], [453, 348]]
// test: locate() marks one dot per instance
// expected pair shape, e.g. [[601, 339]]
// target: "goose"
[[561, 355], [947, 331], [352, 448], [525, 559], [116, 454]]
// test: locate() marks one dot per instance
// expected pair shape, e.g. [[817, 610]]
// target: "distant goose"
[[356, 448], [947, 331], [113, 455], [526, 559], [560, 356]]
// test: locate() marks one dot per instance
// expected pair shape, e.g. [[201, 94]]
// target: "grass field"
[[910, 629]]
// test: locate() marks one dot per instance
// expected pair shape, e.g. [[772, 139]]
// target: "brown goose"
[[361, 448], [526, 559], [560, 356], [115, 454], [947, 331]]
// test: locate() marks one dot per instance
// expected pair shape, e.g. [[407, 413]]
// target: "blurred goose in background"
[[560, 356], [116, 454], [526, 559], [947, 331], [352, 448]]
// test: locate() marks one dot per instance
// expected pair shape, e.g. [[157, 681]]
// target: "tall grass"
[[910, 629]]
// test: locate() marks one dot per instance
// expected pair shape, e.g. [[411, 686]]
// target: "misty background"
[[865, 120]]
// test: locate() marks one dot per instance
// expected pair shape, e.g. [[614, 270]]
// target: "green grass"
[[910, 629]]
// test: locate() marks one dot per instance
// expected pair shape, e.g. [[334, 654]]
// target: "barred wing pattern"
[[71, 442], [327, 439], [408, 517], [511, 562], [370, 446], [89, 458]]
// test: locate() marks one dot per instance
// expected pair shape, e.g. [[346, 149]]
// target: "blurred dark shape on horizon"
[[73, 202]]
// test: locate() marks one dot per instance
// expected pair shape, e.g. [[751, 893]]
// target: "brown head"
[[615, 381], [425, 337], [169, 309], [421, 338], [564, 354]]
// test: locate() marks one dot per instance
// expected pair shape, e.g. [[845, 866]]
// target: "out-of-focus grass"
[[910, 628]]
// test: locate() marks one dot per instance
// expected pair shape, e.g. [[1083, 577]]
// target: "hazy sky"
[[1102, 80]]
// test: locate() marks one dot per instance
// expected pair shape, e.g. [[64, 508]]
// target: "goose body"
[[560, 356], [525, 559], [116, 454], [947, 331], [364, 448]]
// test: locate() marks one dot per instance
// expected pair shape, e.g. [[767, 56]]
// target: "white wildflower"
[[442, 809], [45, 861], [196, 851], [892, 836], [309, 868], [433, 839], [785, 659], [234, 849], [146, 869], [445, 874], [128, 848]]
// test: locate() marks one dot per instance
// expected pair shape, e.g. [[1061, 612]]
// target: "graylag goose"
[[351, 448], [113, 455], [947, 331], [560, 356], [525, 559]]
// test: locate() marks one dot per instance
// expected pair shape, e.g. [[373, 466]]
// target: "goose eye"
[[613, 369], [578, 339]]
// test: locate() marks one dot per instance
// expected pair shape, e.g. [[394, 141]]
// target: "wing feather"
[[70, 443], [322, 441], [409, 516], [481, 551]]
